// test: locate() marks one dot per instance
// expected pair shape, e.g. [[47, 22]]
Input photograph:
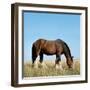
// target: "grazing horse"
[[51, 47]]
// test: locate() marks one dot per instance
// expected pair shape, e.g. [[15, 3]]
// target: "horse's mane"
[[64, 44]]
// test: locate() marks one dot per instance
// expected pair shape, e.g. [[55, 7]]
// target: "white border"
[[82, 49]]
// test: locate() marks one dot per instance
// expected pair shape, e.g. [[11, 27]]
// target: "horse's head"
[[70, 62]]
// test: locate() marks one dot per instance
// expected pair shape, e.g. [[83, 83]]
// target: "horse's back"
[[44, 42]]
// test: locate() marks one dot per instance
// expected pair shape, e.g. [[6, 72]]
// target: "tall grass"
[[49, 69]]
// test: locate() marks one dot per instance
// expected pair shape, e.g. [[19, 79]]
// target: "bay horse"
[[51, 47]]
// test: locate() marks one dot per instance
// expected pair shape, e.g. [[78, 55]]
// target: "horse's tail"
[[33, 53]]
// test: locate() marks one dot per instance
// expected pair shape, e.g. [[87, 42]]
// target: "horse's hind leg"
[[42, 64], [41, 57]]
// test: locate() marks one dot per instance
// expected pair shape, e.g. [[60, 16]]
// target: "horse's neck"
[[67, 54], [67, 51]]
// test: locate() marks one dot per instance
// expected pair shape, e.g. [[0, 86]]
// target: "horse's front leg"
[[58, 62]]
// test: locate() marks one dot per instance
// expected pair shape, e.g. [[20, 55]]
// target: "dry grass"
[[49, 69]]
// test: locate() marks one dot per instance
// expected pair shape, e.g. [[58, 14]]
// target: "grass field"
[[49, 69]]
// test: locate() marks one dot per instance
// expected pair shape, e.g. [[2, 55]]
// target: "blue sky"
[[51, 26]]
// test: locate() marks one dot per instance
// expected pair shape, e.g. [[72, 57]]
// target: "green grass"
[[49, 69]]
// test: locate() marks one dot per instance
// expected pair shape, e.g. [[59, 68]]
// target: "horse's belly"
[[49, 51]]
